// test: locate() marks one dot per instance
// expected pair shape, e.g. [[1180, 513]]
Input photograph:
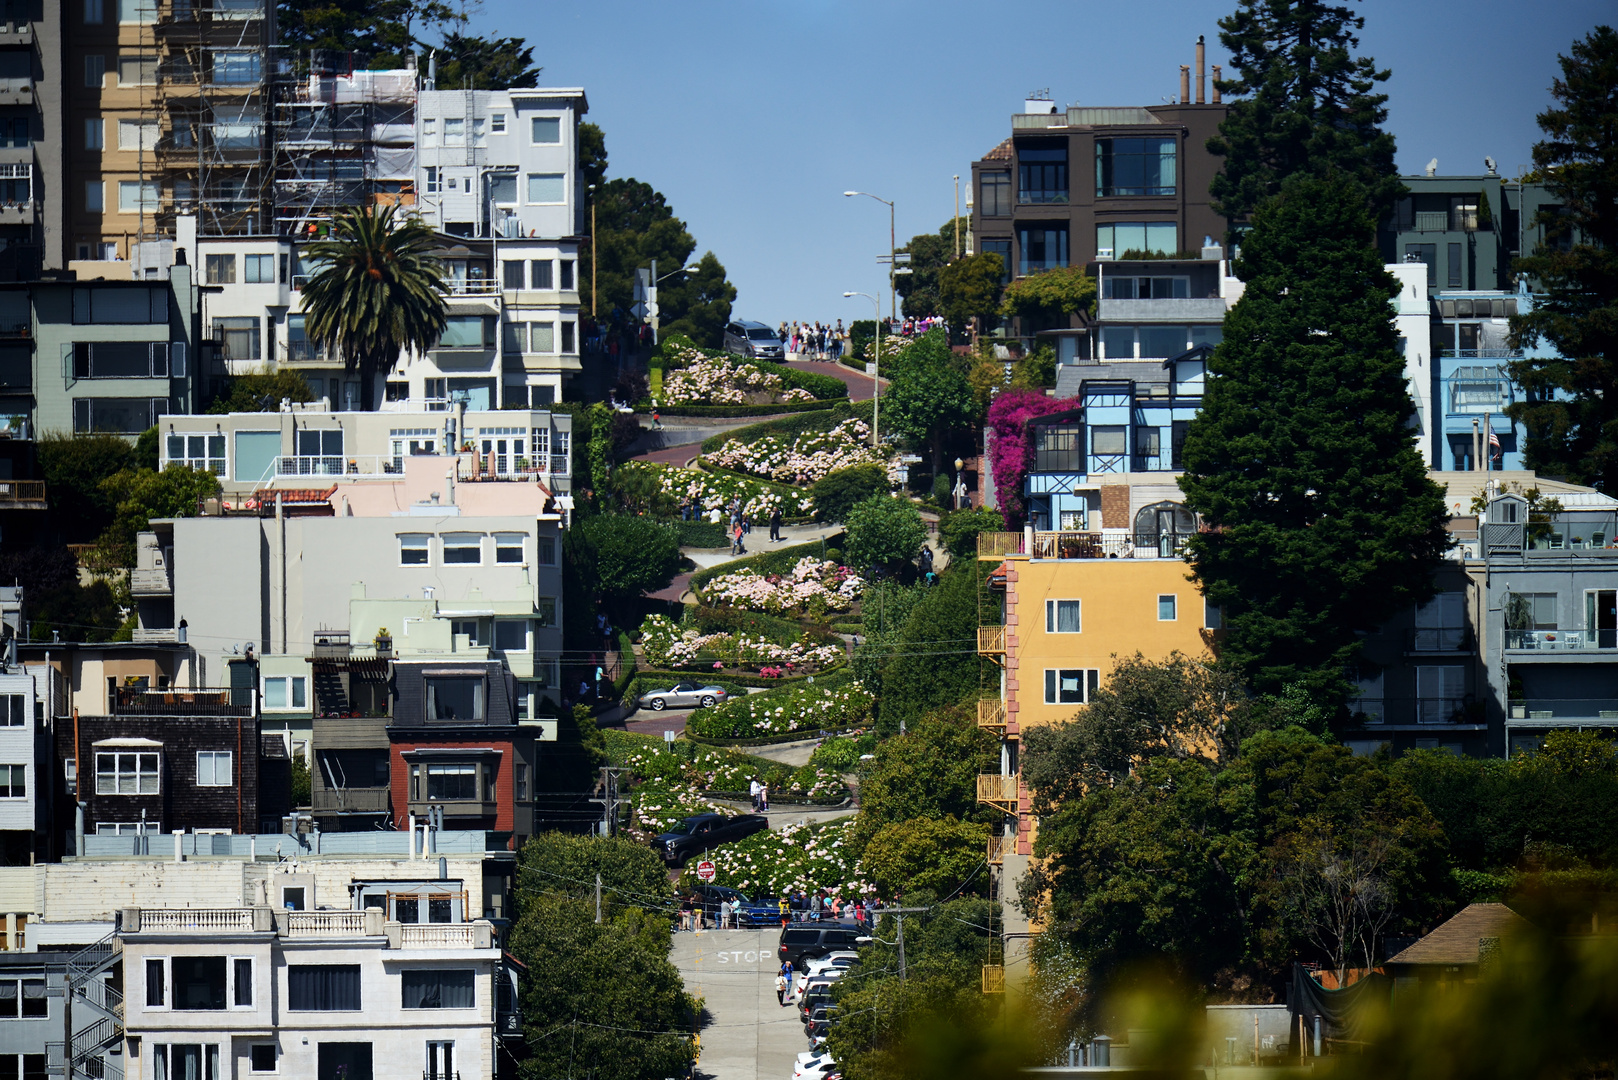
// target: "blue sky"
[[753, 116]]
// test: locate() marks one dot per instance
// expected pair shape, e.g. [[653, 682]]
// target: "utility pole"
[[598, 898], [609, 800], [957, 217], [899, 916]]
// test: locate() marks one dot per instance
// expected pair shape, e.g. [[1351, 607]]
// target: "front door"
[[1601, 617]]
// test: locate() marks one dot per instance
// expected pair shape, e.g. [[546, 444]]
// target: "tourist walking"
[[775, 524]]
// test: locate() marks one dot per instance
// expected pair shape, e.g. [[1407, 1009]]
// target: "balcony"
[[1195, 309], [17, 90], [336, 465], [158, 581], [329, 924], [22, 495], [1416, 712], [456, 808], [138, 701], [1568, 640], [992, 640], [351, 800], [994, 978], [996, 854], [998, 791], [992, 714], [477, 286], [1602, 711], [1432, 221], [1439, 639], [16, 32], [1088, 545], [193, 921], [995, 545], [304, 351], [18, 212]]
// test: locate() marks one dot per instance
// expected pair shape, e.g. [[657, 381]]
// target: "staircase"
[[95, 1014]]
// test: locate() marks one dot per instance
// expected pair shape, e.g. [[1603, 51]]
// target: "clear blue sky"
[[753, 116]]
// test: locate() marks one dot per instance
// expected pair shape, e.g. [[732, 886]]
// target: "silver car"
[[753, 340], [686, 695]]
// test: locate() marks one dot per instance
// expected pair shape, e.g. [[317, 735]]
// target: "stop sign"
[[705, 870]]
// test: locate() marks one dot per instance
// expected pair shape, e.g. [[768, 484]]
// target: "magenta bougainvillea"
[[1011, 449]]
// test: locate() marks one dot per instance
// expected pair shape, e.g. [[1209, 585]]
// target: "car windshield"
[[761, 333], [683, 828]]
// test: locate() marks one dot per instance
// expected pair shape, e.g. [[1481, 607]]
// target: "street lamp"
[[893, 247], [651, 300], [876, 366], [959, 489]]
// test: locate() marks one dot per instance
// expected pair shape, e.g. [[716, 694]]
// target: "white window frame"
[[19, 980], [527, 635], [528, 189], [213, 757], [147, 195], [474, 639], [1089, 679], [505, 542], [497, 123], [117, 773], [409, 542], [230, 984], [128, 828], [291, 685], [533, 130], [1174, 607], [27, 782], [1053, 620], [461, 541]]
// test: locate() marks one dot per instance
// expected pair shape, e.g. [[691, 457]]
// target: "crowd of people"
[[821, 905], [819, 341]]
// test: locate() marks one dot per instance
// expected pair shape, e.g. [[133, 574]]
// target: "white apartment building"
[[25, 759]]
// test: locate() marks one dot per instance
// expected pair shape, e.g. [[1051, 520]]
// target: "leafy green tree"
[[598, 993], [146, 449], [1047, 299], [302, 786], [934, 663], [928, 773], [496, 63], [261, 391], [929, 254], [941, 855], [592, 155], [379, 33], [1322, 520], [969, 288], [143, 495], [1571, 410], [1304, 105], [74, 467], [837, 492], [1036, 371], [883, 531], [928, 395], [629, 556], [49, 577], [379, 293], [886, 606], [959, 529], [702, 302]]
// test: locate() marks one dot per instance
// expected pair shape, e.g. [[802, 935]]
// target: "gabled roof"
[[1003, 152], [1196, 352], [1455, 943]]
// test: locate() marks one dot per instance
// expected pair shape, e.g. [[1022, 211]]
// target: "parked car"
[[754, 340], [749, 913], [704, 832], [812, 1065], [814, 985], [801, 943], [686, 695], [824, 965]]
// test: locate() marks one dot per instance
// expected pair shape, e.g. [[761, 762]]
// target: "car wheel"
[[658, 704], [707, 701]]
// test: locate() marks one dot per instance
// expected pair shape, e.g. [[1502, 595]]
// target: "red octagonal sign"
[[705, 870]]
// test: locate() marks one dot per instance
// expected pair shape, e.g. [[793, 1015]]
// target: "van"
[[753, 340], [800, 943]]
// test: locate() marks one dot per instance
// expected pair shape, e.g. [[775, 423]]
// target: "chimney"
[[1185, 84], [1201, 71], [1216, 79]]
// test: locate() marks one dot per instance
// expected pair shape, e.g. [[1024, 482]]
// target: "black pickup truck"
[[703, 832]]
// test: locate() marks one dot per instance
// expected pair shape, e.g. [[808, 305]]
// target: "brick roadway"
[[859, 383]]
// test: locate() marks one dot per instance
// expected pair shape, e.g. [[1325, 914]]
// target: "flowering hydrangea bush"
[[666, 645], [803, 708], [806, 458], [706, 491], [797, 857], [813, 586], [694, 378]]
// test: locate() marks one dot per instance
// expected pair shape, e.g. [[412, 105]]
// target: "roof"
[[1002, 152], [1461, 487], [1456, 942]]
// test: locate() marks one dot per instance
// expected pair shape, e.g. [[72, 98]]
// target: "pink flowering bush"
[[693, 378], [812, 586], [1011, 444], [667, 645], [805, 458], [792, 859], [707, 491]]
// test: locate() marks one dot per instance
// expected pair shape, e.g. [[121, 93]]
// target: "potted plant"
[[384, 642]]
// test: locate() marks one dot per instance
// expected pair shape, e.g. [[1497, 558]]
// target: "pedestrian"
[[815, 903], [764, 798], [781, 984], [785, 907], [685, 913], [859, 911], [737, 547], [753, 788], [724, 914], [926, 560], [657, 420], [775, 524]]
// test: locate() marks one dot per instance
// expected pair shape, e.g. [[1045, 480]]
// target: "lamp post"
[[876, 366], [651, 299], [959, 490], [893, 247]]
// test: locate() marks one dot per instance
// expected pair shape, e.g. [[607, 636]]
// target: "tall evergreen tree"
[[1305, 105], [1572, 411], [1323, 522]]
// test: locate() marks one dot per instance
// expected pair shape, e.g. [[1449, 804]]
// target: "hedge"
[[774, 561], [801, 735], [703, 534], [733, 410], [824, 387], [626, 661], [735, 681], [716, 620], [788, 427]]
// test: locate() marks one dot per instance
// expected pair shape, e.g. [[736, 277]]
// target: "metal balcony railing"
[[998, 790], [13, 492], [994, 978], [993, 545], [996, 855], [139, 701], [1585, 709], [1439, 639], [992, 713], [992, 640], [1561, 640], [1375, 711]]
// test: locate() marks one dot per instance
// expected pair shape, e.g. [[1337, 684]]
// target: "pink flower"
[[718, 666]]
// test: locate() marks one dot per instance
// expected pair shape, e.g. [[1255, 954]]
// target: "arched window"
[[1164, 527]]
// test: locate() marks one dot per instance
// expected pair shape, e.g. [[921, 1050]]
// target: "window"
[[1062, 617], [1042, 171], [120, 416], [514, 271], [1166, 607], [433, 176], [464, 332], [199, 982], [413, 549], [241, 334], [343, 1061], [185, 1061], [520, 774], [95, 71], [292, 898], [1129, 287], [503, 189], [1121, 239], [438, 989], [22, 999], [13, 711], [120, 360], [286, 691], [542, 276], [567, 337], [440, 1061], [1213, 616], [497, 123], [95, 11], [1440, 693], [126, 774], [567, 274], [994, 194], [1530, 611], [1109, 441], [220, 270], [137, 196], [139, 70], [1454, 266], [508, 547], [546, 130], [95, 197], [241, 974], [261, 1057], [258, 269], [1044, 247], [213, 768], [545, 188], [511, 635], [453, 781], [454, 130], [137, 11], [1071, 686], [1135, 166], [546, 606], [546, 546], [137, 134], [542, 336], [463, 548], [1164, 527], [156, 980], [95, 129], [323, 988], [468, 627], [454, 697]]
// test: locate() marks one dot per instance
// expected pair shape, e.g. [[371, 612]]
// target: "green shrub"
[[941, 489], [702, 534], [836, 493], [824, 387], [883, 530], [789, 427], [803, 708], [838, 753], [774, 561], [959, 529]]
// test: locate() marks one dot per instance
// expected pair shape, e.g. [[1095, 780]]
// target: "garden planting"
[[797, 857], [806, 457], [691, 377], [812, 587], [779, 712], [715, 491], [669, 645]]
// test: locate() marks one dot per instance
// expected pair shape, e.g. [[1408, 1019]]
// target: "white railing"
[[325, 923], [438, 936], [335, 465], [206, 920]]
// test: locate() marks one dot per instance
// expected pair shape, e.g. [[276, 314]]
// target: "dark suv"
[[800, 943], [697, 834]]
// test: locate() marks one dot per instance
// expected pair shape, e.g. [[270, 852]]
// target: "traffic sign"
[[705, 870]]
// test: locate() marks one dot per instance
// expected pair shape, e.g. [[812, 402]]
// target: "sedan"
[[686, 695]]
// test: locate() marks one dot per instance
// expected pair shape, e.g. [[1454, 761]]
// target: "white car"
[[825, 978], [832, 961], [812, 1065]]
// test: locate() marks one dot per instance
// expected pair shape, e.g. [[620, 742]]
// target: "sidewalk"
[[758, 542]]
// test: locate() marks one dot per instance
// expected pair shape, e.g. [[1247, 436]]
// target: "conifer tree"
[[1572, 411], [1322, 520], [1304, 105]]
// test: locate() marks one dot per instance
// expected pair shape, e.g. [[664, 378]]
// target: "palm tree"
[[380, 292]]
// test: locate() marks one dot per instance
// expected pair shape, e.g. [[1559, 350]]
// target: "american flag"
[[1494, 444]]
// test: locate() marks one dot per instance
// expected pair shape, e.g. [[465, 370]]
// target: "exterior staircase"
[[95, 1015]]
